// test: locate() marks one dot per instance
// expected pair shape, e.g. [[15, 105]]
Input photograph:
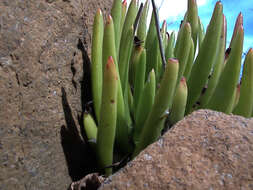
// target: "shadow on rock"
[[86, 95], [79, 157]]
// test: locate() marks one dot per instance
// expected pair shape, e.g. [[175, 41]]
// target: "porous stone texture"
[[207, 150], [44, 48]]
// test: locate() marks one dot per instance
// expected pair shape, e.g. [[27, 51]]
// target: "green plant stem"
[[109, 42], [205, 59], [123, 15], [139, 78], [215, 76], [128, 24], [96, 61], [163, 100], [125, 59], [222, 98], [238, 23], [116, 13], [179, 102], [192, 18], [237, 96], [90, 128], [142, 28], [180, 34], [245, 104], [169, 53], [201, 33], [150, 46], [184, 46], [190, 61], [108, 117], [145, 105], [136, 54], [122, 115]]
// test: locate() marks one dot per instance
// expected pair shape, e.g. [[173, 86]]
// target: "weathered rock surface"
[[42, 47], [205, 151]]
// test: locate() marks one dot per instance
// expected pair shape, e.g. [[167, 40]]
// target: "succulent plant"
[[145, 80]]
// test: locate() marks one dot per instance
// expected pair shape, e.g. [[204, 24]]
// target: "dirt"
[[44, 86]]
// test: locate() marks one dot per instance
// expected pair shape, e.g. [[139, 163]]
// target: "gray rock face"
[[44, 48], [205, 151]]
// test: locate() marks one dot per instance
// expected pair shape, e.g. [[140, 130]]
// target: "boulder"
[[44, 67], [206, 150]]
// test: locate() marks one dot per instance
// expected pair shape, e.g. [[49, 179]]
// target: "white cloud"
[[172, 9], [201, 2]]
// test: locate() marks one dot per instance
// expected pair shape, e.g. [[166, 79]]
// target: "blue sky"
[[231, 9], [174, 10]]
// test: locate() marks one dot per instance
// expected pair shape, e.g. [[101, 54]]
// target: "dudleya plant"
[[136, 94]]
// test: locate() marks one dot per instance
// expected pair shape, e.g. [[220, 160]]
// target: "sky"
[[173, 12]]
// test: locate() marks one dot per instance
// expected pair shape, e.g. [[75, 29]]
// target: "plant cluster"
[[136, 93]]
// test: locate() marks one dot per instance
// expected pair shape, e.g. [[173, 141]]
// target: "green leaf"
[[245, 104], [96, 61], [108, 117], [205, 59], [222, 98], [163, 100]]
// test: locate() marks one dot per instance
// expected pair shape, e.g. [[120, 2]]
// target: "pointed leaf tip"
[[240, 15], [109, 62], [99, 11], [109, 19], [172, 60], [240, 18], [218, 3], [183, 79], [188, 26], [164, 23]]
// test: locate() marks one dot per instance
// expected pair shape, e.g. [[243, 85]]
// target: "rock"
[[44, 48], [206, 150]]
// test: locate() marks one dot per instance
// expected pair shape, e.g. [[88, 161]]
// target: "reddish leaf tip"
[[188, 26], [164, 22], [110, 62], [109, 19], [183, 81], [172, 60], [99, 11], [240, 18], [218, 3], [110, 59]]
